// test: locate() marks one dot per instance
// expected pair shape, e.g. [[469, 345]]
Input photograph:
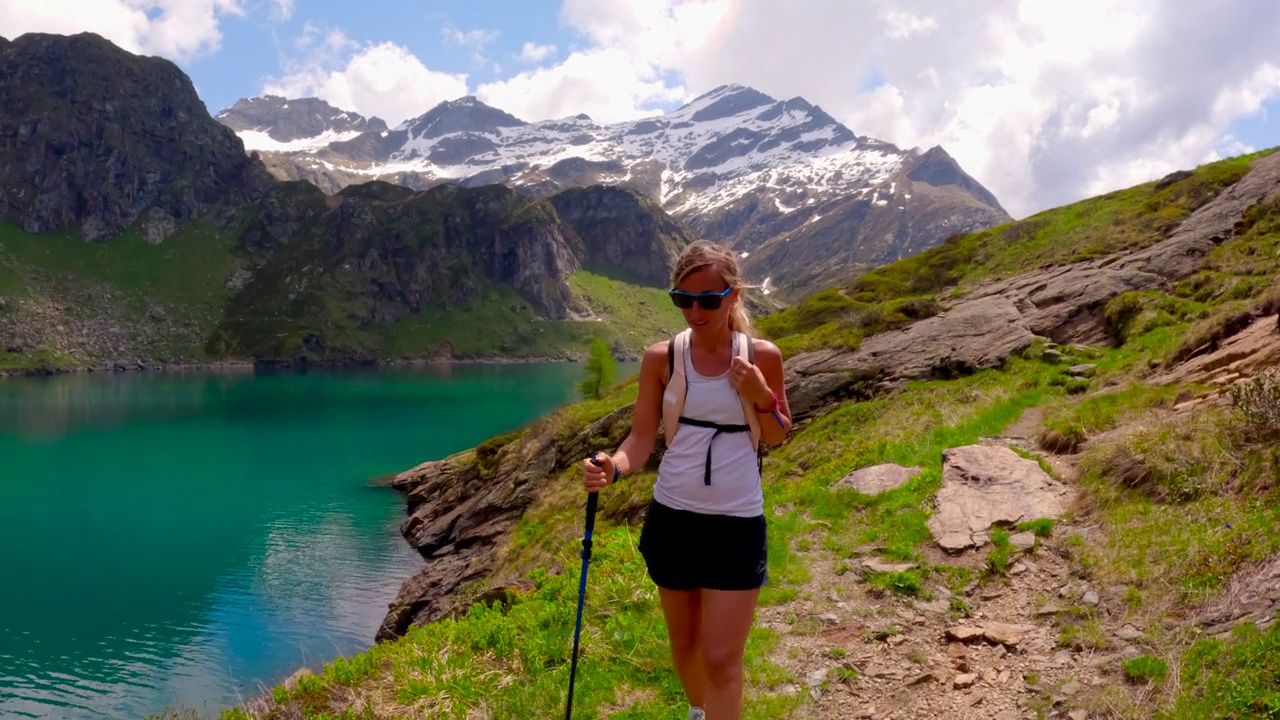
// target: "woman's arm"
[[769, 361], [638, 445]]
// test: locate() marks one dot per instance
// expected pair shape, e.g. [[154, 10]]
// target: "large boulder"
[[985, 485]]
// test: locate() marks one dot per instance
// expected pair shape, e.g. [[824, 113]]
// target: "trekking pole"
[[592, 499]]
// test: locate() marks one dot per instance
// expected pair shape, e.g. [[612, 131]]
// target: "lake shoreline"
[[156, 366]]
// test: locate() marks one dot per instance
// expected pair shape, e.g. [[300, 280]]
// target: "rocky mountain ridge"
[[782, 182]]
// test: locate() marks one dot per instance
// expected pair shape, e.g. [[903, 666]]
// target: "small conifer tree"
[[600, 371]]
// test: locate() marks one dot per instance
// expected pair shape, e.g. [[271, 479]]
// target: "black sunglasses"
[[708, 300]]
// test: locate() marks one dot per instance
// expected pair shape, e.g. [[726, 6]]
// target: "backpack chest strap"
[[719, 428]]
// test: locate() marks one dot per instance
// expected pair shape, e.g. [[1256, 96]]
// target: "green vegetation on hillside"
[[114, 299], [883, 298], [499, 322]]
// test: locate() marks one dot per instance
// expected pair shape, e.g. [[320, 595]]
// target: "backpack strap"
[[677, 385]]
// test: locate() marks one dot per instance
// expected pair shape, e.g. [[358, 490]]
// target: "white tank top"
[[735, 475]]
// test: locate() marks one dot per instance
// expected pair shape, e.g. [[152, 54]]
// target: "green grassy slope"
[[65, 293]]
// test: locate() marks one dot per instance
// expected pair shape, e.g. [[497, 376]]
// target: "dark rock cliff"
[[93, 138], [623, 233]]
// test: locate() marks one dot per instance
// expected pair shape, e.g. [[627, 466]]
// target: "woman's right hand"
[[597, 471]]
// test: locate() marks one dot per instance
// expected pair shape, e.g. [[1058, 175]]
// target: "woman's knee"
[[685, 642], [723, 665]]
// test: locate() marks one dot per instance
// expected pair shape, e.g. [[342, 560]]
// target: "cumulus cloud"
[[628, 71], [535, 53], [609, 85], [176, 29], [383, 79]]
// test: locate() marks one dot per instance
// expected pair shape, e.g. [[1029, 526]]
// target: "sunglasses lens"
[[710, 302], [684, 302]]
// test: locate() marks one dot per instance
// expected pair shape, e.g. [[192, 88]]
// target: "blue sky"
[[256, 45], [1043, 101]]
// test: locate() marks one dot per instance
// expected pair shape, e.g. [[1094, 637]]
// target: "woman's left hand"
[[749, 381]]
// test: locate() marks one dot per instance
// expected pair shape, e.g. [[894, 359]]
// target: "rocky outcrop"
[[999, 318], [623, 234], [974, 335], [986, 485], [1251, 596], [93, 138], [460, 508], [1244, 354]]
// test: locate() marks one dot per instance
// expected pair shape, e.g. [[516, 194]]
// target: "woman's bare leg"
[[683, 612], [726, 621]]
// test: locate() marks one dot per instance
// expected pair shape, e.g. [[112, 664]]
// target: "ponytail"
[[739, 318]]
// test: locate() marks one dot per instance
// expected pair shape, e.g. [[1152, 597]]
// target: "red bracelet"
[[772, 407]]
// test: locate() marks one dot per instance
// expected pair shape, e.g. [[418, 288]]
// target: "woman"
[[704, 535]]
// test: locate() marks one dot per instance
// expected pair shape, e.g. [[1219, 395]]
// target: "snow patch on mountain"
[[261, 140]]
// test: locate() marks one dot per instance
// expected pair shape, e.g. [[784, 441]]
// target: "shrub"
[[1257, 403], [1145, 669]]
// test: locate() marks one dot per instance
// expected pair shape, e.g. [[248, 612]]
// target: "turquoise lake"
[[183, 540]]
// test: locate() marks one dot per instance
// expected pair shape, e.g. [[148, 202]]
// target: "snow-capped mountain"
[[783, 182], [278, 124]]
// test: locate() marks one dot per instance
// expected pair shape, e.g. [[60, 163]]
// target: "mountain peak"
[[283, 123], [464, 114]]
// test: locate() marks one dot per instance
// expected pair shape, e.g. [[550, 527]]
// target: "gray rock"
[[964, 633], [1089, 598], [1129, 633], [922, 679], [1003, 634], [878, 479], [1083, 370], [1023, 540], [965, 680], [983, 485], [881, 566]]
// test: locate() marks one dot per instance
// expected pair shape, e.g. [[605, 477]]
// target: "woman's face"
[[705, 281]]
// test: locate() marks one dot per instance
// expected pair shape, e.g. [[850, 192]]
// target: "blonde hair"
[[703, 254]]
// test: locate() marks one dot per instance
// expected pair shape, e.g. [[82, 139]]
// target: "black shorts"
[[686, 550]]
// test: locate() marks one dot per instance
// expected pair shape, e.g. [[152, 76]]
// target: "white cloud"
[[535, 53], [281, 9], [176, 29], [626, 71], [905, 24], [383, 80], [608, 85], [477, 40]]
